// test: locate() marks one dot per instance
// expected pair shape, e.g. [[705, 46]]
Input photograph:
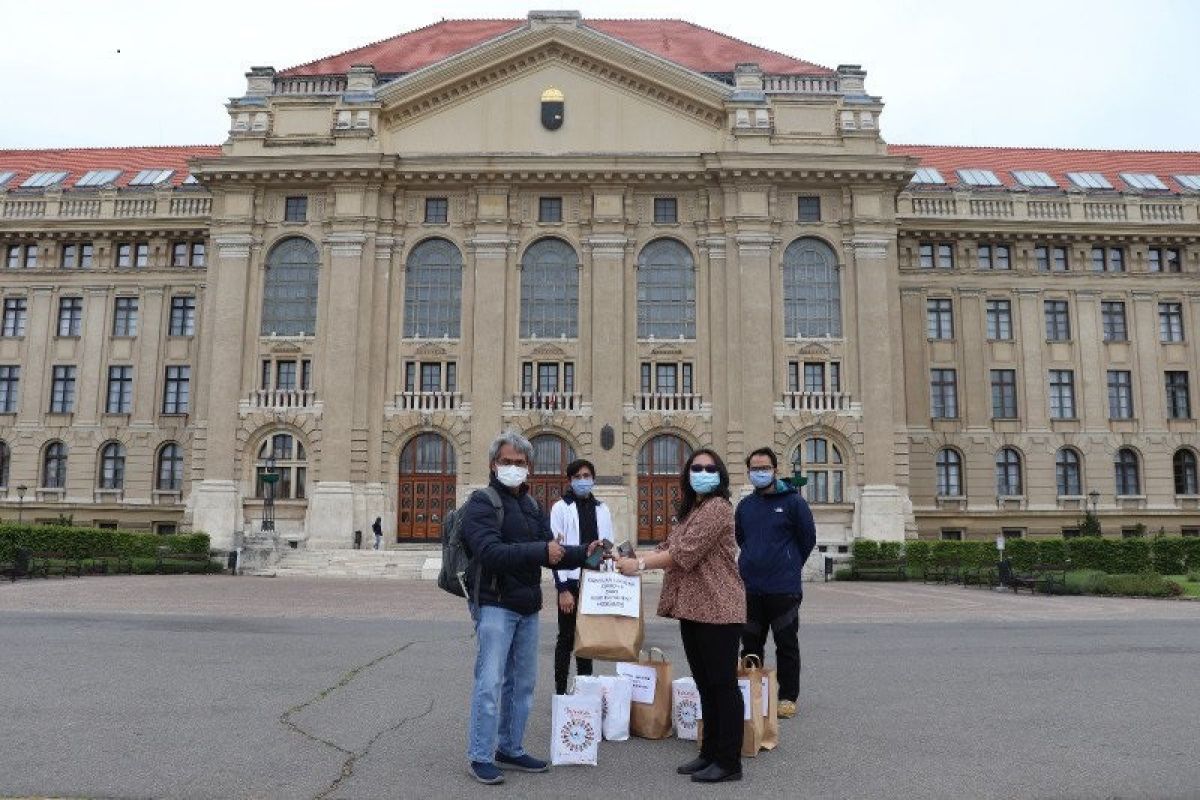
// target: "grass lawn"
[[1190, 588]]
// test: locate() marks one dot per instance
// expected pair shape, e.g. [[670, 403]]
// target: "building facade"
[[627, 239]]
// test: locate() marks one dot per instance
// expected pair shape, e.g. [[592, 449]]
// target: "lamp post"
[[269, 478], [1094, 499], [21, 490]]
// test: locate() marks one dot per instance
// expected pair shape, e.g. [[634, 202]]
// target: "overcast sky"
[[1061, 73]]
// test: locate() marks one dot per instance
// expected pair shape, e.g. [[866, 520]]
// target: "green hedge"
[[91, 542]]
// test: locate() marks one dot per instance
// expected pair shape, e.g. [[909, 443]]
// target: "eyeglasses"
[[705, 468]]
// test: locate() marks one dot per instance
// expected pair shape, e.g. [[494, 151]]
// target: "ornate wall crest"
[[552, 109]]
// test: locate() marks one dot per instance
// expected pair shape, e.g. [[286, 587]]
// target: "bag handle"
[[751, 657], [649, 655]]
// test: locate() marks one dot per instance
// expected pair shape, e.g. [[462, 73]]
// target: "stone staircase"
[[415, 563]]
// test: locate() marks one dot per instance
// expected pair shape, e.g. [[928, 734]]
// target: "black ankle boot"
[[715, 773], [693, 766]]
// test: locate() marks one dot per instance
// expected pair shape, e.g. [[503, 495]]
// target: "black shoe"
[[693, 766], [715, 773]]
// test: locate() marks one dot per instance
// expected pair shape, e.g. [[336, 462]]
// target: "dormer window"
[[1143, 181], [151, 177], [1189, 182], [978, 177], [928, 176], [42, 180], [5, 177], [1089, 180], [98, 177], [1034, 179]]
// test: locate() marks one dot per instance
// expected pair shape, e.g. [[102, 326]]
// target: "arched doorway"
[[659, 465], [548, 480], [427, 471]]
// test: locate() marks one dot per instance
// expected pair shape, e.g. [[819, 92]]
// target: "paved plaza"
[[220, 687]]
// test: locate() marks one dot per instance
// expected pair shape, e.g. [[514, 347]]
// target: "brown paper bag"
[[652, 682], [758, 691], [770, 709], [611, 637]]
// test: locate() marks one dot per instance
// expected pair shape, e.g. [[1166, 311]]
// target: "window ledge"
[[59, 417], [167, 496], [49, 495]]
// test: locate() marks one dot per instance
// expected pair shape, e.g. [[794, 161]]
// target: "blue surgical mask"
[[762, 478], [704, 482], [582, 487]]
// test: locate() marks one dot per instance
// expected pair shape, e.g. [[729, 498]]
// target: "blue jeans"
[[505, 673]]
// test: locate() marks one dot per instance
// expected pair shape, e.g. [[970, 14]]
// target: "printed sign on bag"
[[744, 685], [766, 695], [611, 593], [645, 681]]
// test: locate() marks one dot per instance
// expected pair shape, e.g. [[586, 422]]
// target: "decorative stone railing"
[[1049, 209], [991, 208], [310, 84], [934, 206], [282, 398], [800, 84], [107, 205], [550, 401], [79, 208], [667, 402], [429, 401], [817, 401], [24, 209], [1068, 208], [135, 207], [1105, 212], [191, 206]]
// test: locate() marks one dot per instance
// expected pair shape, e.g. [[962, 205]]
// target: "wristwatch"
[[641, 565]]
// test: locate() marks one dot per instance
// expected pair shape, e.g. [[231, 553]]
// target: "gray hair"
[[513, 438]]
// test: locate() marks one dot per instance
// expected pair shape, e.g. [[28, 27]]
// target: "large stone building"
[[625, 238]]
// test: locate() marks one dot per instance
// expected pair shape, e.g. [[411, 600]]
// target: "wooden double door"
[[658, 490], [427, 486]]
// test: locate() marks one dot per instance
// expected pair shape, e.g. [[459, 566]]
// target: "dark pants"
[[712, 654], [779, 615], [564, 646]]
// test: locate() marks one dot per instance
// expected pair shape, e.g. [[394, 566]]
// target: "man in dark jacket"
[[506, 595], [775, 529]]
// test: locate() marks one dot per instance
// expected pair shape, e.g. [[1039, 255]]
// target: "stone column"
[[608, 351], [1090, 403], [40, 324], [216, 501], [755, 393], [716, 376], [146, 372], [375, 501], [1149, 390], [92, 387], [975, 380], [1031, 331], [488, 258]]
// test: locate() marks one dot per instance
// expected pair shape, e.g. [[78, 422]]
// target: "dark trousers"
[[712, 654], [779, 615], [563, 648]]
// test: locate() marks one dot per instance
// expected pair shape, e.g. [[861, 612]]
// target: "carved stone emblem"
[[552, 109]]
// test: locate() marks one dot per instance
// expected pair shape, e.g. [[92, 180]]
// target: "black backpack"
[[456, 563]]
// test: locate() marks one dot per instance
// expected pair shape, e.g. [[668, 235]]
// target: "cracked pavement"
[[218, 687]]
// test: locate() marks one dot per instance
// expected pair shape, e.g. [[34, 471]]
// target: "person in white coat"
[[577, 519]]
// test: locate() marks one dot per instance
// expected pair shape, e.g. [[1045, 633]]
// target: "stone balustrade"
[[548, 401], [428, 401], [282, 399], [679, 402], [107, 205], [1069, 208], [818, 402]]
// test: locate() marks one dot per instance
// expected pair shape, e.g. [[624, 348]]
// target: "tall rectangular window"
[[814, 376], [995, 256], [936, 255], [120, 390], [437, 210], [1170, 322], [77, 255], [1058, 321], [295, 209], [187, 254], [70, 316], [14, 316], [808, 209], [177, 389], [1112, 319], [183, 316], [1120, 394], [1164, 259], [666, 210], [549, 209], [10, 388], [141, 254], [1062, 394], [62, 390], [86, 251], [943, 393], [939, 315], [1004, 394], [125, 316], [1108, 259], [285, 374], [999, 320], [1179, 400], [1051, 258]]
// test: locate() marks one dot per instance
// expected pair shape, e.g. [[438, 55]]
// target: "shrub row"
[[1164, 555], [92, 542], [1145, 584]]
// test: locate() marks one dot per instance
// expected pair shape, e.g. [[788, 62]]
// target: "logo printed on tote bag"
[[577, 733], [689, 712]]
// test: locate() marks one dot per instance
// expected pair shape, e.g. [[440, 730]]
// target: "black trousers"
[[563, 647], [779, 615], [712, 654]]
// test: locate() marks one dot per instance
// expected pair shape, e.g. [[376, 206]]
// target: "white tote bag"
[[575, 729], [685, 707], [617, 695]]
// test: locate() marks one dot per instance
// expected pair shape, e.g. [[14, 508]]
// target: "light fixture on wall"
[[1094, 500], [21, 490]]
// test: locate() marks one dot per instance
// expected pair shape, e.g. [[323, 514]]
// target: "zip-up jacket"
[[777, 534]]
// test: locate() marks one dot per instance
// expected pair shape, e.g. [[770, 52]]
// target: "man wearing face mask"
[[775, 531], [504, 581], [579, 518]]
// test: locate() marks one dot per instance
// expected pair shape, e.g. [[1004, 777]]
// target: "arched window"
[[428, 454], [812, 293], [1125, 472], [1008, 472], [551, 454], [549, 291], [949, 473], [5, 462], [290, 462], [663, 455], [112, 466], [290, 290], [1184, 465], [821, 463], [666, 291], [54, 466], [1067, 473], [170, 468], [433, 291]]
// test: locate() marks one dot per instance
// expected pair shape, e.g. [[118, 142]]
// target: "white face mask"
[[511, 476]]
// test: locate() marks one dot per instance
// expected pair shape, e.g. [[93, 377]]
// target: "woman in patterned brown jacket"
[[703, 590]]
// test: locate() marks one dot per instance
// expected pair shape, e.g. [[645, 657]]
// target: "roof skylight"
[[1034, 179], [1089, 180], [1191, 182], [190, 181], [98, 177], [979, 177], [6, 176], [42, 179], [151, 177], [1143, 180], [928, 175]]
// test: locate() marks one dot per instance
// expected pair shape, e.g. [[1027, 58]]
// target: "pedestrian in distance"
[[508, 551], [578, 518], [702, 589], [776, 534], [377, 528]]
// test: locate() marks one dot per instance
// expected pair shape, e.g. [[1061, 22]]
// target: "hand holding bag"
[[609, 622], [650, 713]]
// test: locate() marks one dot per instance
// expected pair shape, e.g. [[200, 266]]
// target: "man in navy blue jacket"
[[776, 533]]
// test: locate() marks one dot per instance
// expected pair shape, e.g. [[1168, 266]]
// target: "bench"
[[108, 564], [894, 568], [943, 571], [981, 576], [1039, 578], [194, 558], [45, 563]]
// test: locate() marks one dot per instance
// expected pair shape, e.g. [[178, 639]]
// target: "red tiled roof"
[[1056, 162], [78, 161], [690, 46]]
